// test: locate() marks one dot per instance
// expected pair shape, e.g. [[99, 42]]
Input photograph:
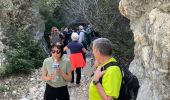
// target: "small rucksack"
[[130, 84]]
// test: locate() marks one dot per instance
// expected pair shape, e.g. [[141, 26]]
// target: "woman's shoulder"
[[47, 59], [73, 43], [65, 58]]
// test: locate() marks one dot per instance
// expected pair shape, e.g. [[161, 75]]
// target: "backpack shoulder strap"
[[107, 66]]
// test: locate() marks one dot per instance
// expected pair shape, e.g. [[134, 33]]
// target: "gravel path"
[[31, 87]]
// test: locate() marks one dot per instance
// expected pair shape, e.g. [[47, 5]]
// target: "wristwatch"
[[96, 82]]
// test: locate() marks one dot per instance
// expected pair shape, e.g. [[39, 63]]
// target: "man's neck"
[[104, 59]]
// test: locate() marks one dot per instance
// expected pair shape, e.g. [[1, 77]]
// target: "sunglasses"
[[55, 30], [54, 51]]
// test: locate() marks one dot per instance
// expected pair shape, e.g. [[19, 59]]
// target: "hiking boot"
[[77, 85]]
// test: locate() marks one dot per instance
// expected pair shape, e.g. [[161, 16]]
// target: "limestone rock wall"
[[2, 56], [16, 15], [22, 13], [150, 23]]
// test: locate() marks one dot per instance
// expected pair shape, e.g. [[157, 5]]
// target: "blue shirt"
[[75, 47]]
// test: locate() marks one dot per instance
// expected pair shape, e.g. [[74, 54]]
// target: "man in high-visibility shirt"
[[109, 88]]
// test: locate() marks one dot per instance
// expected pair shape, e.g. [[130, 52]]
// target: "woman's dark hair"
[[59, 47]]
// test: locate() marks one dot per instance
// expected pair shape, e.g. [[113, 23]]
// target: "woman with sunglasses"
[[56, 88], [56, 36]]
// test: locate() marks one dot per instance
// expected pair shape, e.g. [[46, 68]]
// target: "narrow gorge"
[[139, 29]]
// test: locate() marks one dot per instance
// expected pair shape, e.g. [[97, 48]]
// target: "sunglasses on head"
[[54, 51]]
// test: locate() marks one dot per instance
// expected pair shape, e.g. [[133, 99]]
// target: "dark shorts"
[[59, 93]]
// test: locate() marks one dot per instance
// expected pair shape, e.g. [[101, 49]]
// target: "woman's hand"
[[50, 77], [59, 70], [45, 76], [67, 76]]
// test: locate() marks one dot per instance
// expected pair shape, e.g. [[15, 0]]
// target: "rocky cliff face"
[[150, 23], [19, 15], [2, 56]]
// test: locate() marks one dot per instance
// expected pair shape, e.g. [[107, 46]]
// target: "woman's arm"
[[67, 76], [84, 50], [45, 76], [65, 48]]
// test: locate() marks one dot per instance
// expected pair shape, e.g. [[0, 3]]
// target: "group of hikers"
[[64, 35], [105, 84]]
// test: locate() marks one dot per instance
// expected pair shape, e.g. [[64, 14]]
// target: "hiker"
[[67, 36], [56, 79], [56, 36], [108, 88], [88, 33], [76, 57], [82, 39], [81, 34]]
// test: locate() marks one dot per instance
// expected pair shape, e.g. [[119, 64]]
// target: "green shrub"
[[53, 22], [18, 61], [23, 55], [2, 71], [46, 7], [2, 88]]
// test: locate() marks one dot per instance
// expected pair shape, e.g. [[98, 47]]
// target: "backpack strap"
[[107, 65], [110, 64]]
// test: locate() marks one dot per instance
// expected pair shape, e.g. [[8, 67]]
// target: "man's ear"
[[97, 51]]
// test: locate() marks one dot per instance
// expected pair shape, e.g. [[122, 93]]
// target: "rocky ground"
[[31, 87]]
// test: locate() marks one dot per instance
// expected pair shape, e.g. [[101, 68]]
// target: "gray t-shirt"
[[64, 64]]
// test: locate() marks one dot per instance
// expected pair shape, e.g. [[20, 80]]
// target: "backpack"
[[130, 84]]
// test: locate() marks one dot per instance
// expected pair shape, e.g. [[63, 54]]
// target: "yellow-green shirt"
[[111, 83]]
